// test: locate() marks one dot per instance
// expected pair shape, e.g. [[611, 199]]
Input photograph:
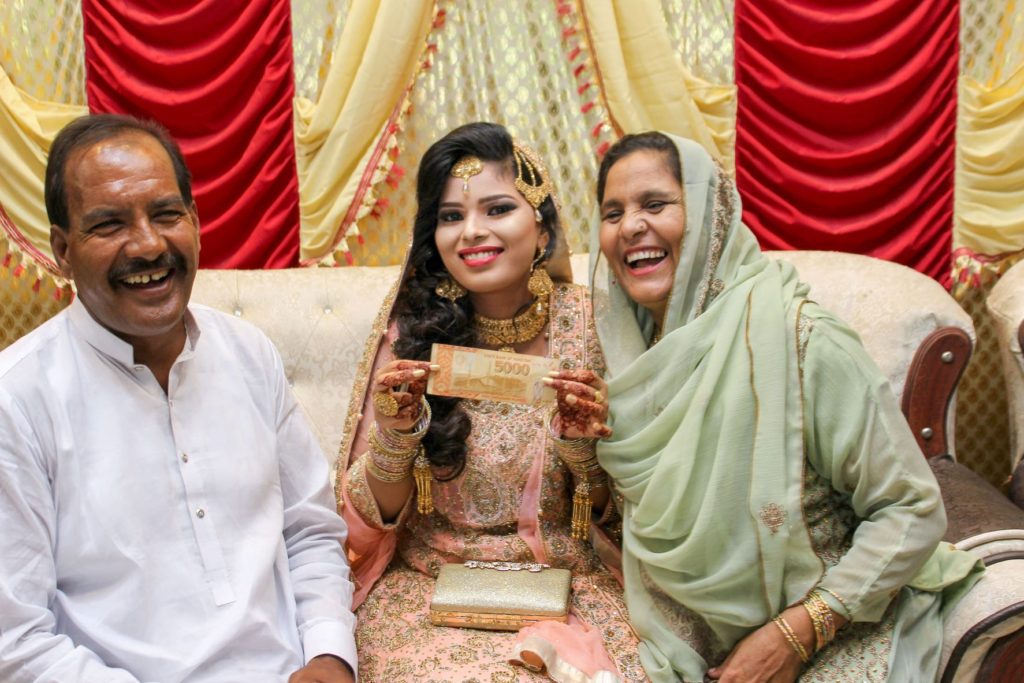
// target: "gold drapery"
[[27, 128], [646, 84], [989, 202], [342, 139]]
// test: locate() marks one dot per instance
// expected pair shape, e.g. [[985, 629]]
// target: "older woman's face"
[[642, 224]]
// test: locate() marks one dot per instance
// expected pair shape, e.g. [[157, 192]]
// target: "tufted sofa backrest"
[[320, 318]]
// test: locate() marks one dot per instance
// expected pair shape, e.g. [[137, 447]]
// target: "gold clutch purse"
[[499, 596]]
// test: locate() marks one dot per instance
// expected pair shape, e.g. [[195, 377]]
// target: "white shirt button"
[[184, 457], [238, 312], [200, 513]]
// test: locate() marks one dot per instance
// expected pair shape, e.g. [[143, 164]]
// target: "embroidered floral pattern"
[[860, 652], [830, 519], [686, 624], [773, 517]]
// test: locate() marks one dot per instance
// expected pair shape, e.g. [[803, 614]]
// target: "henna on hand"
[[406, 380], [578, 409]]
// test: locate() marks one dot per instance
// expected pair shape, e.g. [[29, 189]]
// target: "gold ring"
[[384, 403], [598, 398]]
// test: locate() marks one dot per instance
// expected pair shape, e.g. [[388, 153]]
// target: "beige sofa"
[[921, 339]]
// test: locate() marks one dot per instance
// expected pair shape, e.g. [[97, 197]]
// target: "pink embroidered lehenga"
[[511, 502]]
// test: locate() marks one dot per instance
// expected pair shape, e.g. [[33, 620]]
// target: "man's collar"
[[109, 344]]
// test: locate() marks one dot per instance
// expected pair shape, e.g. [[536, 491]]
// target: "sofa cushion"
[[319, 319]]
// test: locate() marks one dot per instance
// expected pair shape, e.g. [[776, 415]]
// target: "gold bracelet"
[[794, 642], [380, 445], [822, 618], [385, 475], [838, 598], [403, 441]]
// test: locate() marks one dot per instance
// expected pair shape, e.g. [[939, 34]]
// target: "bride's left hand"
[[582, 404]]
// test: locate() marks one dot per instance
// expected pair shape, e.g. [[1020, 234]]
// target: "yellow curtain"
[[990, 172], [647, 86], [27, 127], [336, 138]]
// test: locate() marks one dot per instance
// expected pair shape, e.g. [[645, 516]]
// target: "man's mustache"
[[165, 261]]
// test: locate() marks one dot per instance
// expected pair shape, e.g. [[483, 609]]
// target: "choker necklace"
[[506, 333]]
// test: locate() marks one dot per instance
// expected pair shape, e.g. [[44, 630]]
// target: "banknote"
[[490, 375]]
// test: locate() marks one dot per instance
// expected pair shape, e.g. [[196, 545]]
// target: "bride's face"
[[642, 224], [488, 237]]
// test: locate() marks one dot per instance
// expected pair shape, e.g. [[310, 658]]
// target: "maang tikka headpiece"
[[532, 179], [466, 168]]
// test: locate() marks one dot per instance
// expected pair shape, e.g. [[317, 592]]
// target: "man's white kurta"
[[186, 536]]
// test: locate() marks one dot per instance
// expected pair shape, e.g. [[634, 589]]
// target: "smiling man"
[[165, 509]]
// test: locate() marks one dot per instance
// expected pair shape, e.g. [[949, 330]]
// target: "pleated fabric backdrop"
[[893, 128]]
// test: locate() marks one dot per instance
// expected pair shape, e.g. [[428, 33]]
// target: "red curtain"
[[218, 75], [846, 121]]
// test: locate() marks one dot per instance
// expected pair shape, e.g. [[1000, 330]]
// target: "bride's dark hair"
[[424, 318]]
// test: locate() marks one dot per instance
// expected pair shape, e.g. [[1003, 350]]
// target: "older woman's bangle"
[[822, 618], [791, 638]]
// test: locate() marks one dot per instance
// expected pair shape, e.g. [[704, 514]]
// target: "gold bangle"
[[822, 618], [386, 476], [791, 638], [419, 429], [380, 445]]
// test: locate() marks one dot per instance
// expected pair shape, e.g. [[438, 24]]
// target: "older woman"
[[493, 481], [771, 490]]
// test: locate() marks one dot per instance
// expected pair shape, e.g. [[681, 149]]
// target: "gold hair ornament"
[[466, 168], [532, 179]]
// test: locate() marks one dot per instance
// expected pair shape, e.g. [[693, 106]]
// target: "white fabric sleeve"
[[31, 651], [314, 534]]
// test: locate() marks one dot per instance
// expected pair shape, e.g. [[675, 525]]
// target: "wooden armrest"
[[1004, 661], [931, 382]]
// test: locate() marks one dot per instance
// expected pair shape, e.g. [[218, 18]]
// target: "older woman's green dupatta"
[[709, 457]]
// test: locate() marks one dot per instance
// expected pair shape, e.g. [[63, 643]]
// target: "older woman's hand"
[[582, 404], [397, 392], [765, 656]]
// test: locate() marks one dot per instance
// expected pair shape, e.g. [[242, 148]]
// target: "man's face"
[[132, 245]]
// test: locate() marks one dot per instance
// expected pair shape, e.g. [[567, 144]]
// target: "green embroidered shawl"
[[708, 449]]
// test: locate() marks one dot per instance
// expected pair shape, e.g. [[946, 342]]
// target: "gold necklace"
[[506, 333]]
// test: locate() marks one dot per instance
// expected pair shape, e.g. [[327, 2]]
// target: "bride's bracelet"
[[392, 452], [580, 458]]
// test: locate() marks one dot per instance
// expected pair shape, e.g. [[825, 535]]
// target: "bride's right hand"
[[405, 382]]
